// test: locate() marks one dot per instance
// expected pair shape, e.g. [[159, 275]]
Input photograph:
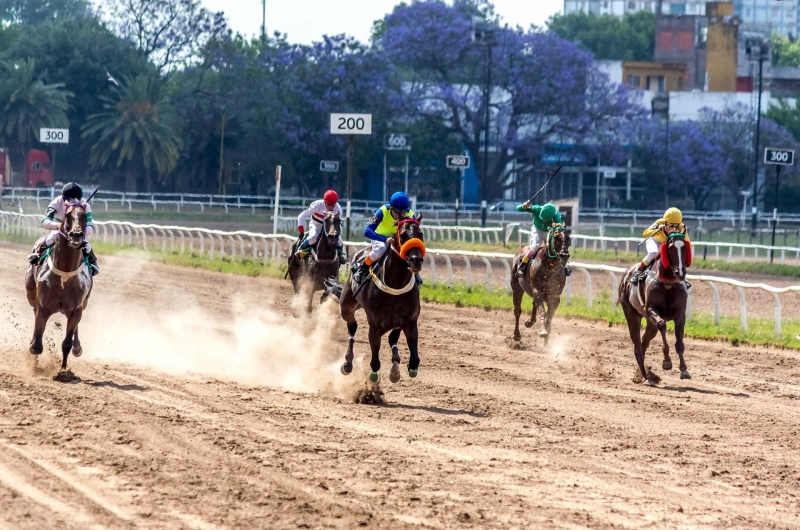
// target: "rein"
[[551, 241], [315, 250]]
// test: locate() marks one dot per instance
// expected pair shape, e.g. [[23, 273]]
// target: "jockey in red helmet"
[[316, 213]]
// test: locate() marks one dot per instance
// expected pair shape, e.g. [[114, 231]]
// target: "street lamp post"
[[483, 35], [660, 108], [757, 51]]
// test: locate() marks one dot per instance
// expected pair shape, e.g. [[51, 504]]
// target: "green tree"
[[33, 12], [28, 104], [81, 54], [631, 38], [787, 115], [139, 128], [785, 52]]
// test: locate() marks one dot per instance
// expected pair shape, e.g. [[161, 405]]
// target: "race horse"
[[659, 299], [543, 282], [322, 265], [61, 283], [390, 299]]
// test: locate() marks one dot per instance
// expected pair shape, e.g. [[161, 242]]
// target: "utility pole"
[[264, 21], [483, 34]]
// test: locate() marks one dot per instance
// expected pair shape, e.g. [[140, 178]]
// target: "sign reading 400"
[[351, 123], [779, 157]]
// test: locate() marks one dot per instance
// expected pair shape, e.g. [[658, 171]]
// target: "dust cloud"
[[248, 342]]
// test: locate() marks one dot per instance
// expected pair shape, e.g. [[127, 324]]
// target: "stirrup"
[[522, 269]]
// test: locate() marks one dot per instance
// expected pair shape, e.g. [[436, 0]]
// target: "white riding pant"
[[537, 237], [652, 247], [314, 231], [378, 250]]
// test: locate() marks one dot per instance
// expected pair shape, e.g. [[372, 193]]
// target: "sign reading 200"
[[351, 123]]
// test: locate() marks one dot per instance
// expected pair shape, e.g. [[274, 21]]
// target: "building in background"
[[658, 78], [620, 7], [780, 16]]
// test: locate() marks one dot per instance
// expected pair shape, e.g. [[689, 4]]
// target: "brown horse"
[[390, 299], [659, 299], [544, 281], [61, 284], [321, 265]]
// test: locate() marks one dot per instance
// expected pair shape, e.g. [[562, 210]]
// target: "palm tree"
[[139, 128], [28, 104]]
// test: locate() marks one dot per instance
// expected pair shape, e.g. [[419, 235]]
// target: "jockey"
[[656, 235], [52, 221], [316, 212], [382, 227], [544, 218]]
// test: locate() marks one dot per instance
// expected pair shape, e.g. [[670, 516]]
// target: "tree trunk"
[[131, 178]]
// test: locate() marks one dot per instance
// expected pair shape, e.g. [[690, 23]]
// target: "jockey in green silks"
[[545, 217]]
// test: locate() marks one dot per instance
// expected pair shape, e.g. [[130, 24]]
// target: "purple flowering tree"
[[544, 89]]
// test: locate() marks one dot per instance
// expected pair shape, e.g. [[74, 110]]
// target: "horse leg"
[[394, 374], [532, 321], [375, 346], [635, 330], [347, 367], [649, 333], [518, 293], [42, 316], [66, 346], [654, 319], [412, 339], [552, 306], [680, 321], [77, 350]]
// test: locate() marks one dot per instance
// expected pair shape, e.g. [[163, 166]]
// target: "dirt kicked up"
[[203, 404]]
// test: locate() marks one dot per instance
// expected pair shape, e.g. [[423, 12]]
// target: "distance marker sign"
[[458, 161], [779, 157]]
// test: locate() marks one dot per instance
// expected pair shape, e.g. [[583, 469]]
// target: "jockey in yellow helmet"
[[656, 235]]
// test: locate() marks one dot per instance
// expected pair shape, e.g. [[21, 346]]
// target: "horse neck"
[[324, 248], [665, 272], [66, 258], [544, 254], [396, 273]]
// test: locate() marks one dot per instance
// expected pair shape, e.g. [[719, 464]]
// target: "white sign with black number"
[[458, 161], [397, 142], [330, 166], [609, 174], [779, 157], [351, 123], [54, 136]]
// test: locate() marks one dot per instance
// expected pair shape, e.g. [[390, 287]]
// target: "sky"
[[306, 21]]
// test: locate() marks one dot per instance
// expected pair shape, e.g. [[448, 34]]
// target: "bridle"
[[70, 207], [315, 251], [552, 253], [414, 242]]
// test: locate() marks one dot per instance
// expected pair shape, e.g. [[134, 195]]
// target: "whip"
[[545, 184]]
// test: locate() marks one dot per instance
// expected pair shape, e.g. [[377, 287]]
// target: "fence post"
[[488, 274], [449, 269], [468, 272], [743, 308], [588, 287], [614, 290], [777, 314]]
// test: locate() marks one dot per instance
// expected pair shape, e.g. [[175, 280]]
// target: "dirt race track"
[[203, 406]]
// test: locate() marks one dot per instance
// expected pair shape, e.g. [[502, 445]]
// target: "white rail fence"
[[275, 247]]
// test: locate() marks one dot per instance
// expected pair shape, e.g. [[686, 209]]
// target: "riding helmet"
[[548, 212], [673, 216], [72, 191], [331, 197], [400, 201]]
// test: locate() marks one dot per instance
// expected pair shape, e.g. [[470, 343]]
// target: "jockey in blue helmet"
[[382, 227]]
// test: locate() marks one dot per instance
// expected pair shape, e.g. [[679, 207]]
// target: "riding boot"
[[89, 253], [303, 249], [342, 256], [523, 268], [639, 274], [34, 258], [361, 273]]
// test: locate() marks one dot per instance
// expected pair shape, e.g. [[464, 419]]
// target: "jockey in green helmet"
[[545, 217]]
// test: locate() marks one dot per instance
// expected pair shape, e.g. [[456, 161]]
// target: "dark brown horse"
[[321, 265], [61, 284], [544, 281], [390, 299], [659, 299]]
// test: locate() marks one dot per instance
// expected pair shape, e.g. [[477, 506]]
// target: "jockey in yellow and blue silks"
[[382, 227], [656, 235]]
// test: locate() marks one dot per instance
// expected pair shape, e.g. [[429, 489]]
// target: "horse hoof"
[[413, 373], [66, 376], [517, 336], [528, 324], [648, 382], [77, 352], [544, 333], [685, 375], [394, 373], [347, 368], [374, 377], [35, 351], [666, 365]]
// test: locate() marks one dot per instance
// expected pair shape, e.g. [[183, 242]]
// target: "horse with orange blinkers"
[[390, 299]]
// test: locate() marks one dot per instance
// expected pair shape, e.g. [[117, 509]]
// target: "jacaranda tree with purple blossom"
[[544, 89]]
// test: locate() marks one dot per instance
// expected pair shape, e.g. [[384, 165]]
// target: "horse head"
[[410, 243], [332, 227], [678, 254], [73, 227], [558, 243]]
